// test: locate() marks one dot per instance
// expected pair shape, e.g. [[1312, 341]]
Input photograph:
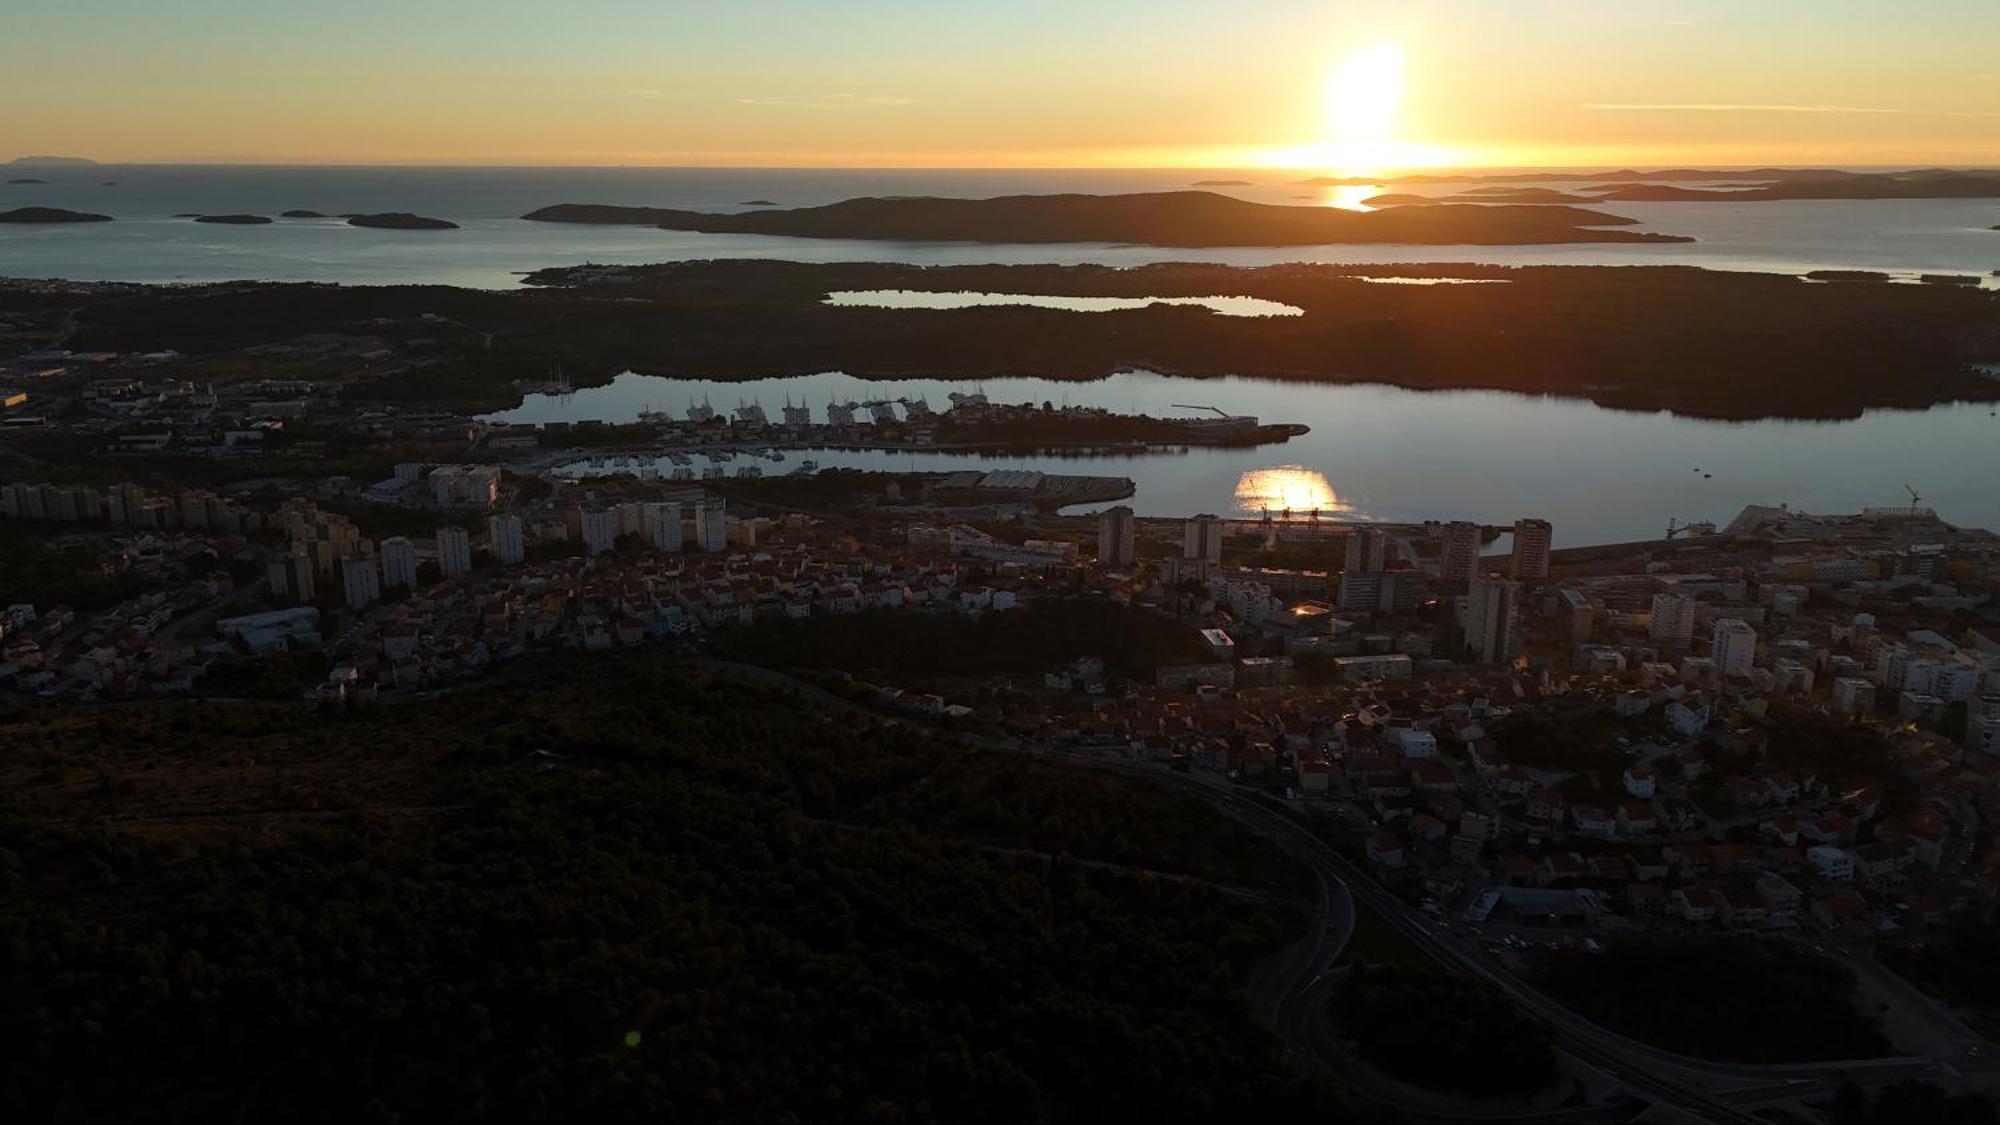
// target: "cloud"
[[1741, 107], [1737, 107], [828, 101]]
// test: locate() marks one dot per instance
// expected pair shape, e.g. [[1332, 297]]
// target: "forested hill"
[[613, 890]]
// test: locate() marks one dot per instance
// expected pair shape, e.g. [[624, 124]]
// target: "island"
[[26, 180], [300, 215], [400, 220], [234, 220], [1633, 337], [1181, 219], [1222, 183], [51, 162], [757, 203], [50, 215], [1846, 275], [1755, 185]]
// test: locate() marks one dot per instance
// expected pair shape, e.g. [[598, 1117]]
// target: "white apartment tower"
[[1201, 538], [1367, 551], [1673, 620], [454, 551], [360, 581], [1117, 534], [663, 526], [399, 563], [1530, 561], [1461, 554], [503, 535], [1733, 647], [600, 530], [711, 526], [1493, 620]]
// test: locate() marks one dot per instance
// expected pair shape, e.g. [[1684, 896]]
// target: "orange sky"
[[1024, 83]]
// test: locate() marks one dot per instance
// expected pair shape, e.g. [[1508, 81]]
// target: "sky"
[[1001, 83]]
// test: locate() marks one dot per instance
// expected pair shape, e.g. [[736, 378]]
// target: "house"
[[1845, 913], [1385, 850], [1881, 864], [1546, 805], [1640, 782], [1831, 862], [1595, 821], [1742, 909], [1646, 898], [1695, 904], [1636, 818]]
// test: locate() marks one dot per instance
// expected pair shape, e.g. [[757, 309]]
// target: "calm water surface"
[[1380, 452], [147, 244]]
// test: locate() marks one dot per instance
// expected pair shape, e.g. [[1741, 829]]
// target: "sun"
[[1362, 96], [1361, 125]]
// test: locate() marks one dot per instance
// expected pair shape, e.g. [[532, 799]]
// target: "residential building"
[[1530, 560], [1117, 533], [504, 537], [663, 523], [1853, 695], [1461, 554], [1493, 620], [360, 581], [399, 563], [1201, 538], [1367, 551], [454, 551], [711, 526], [600, 530], [1673, 620], [1733, 646]]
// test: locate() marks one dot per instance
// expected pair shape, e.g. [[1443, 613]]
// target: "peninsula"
[[1181, 218], [234, 220], [1642, 338]]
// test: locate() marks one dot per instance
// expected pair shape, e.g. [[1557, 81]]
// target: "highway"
[[1291, 992], [1710, 1090]]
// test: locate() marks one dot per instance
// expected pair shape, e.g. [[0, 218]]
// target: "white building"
[[360, 581], [600, 530], [1853, 695], [1461, 554], [1493, 620], [503, 534], [663, 523], [711, 526], [1530, 560], [1367, 551], [399, 563], [1733, 646], [1201, 538], [1982, 724], [455, 486], [454, 551], [1117, 534], [1673, 620]]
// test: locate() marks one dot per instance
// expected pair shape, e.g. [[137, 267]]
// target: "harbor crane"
[[1914, 499], [1218, 410]]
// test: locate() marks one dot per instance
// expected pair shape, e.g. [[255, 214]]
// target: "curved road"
[[1290, 991]]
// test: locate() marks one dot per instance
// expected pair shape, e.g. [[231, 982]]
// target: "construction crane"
[[1914, 499]]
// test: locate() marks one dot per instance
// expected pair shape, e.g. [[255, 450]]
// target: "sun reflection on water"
[[1288, 488]]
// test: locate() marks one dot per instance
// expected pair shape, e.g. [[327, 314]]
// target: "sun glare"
[[1360, 120], [1363, 94]]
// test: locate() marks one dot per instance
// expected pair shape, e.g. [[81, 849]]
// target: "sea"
[[1374, 452]]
